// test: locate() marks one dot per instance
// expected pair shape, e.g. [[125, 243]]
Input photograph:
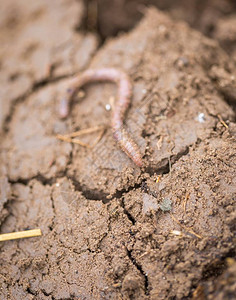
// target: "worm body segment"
[[124, 97]]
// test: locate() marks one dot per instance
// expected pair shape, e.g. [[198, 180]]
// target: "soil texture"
[[112, 230]]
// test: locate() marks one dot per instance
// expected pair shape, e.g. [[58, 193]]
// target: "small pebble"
[[81, 94], [149, 203], [201, 118], [166, 204], [108, 107], [182, 62]]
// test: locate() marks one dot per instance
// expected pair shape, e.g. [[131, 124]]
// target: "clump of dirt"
[[110, 229], [223, 288], [214, 18]]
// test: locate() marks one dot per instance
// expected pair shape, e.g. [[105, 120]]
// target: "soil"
[[110, 229]]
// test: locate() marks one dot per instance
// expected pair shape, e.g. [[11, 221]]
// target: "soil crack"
[[54, 212], [96, 194], [140, 269], [41, 178], [33, 89], [129, 216]]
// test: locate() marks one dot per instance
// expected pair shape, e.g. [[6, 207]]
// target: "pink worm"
[[124, 96]]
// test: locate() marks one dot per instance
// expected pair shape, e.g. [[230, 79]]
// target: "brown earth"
[[214, 18], [110, 229]]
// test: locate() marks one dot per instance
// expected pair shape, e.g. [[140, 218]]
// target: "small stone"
[[201, 118], [108, 107], [144, 91], [166, 204]]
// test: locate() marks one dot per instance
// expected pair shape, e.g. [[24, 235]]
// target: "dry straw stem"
[[159, 143], [189, 230], [185, 202], [70, 140], [222, 121], [85, 131], [20, 235], [70, 137]]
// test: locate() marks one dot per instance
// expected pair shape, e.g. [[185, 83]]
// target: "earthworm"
[[124, 96]]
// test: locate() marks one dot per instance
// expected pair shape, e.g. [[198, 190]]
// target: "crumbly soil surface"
[[111, 230]]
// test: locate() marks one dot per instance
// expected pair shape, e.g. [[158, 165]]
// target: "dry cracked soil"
[[112, 230]]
